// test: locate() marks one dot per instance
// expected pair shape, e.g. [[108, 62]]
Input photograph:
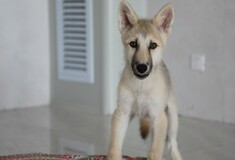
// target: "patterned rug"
[[41, 156]]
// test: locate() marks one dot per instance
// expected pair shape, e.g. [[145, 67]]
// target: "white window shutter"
[[75, 40]]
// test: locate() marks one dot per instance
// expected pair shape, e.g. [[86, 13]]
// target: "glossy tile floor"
[[43, 130], [25, 130]]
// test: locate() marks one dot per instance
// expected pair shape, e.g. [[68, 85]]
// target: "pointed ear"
[[127, 16], [164, 19]]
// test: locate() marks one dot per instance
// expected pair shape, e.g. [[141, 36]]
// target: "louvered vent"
[[75, 40]]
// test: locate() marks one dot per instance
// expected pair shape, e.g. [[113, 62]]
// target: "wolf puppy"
[[145, 88]]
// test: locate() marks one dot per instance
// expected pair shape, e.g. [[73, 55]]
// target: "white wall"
[[202, 28], [24, 53]]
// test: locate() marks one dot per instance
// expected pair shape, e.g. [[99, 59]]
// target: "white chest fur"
[[142, 97]]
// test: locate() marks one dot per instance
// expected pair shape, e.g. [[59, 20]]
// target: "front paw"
[[154, 156], [151, 158], [114, 155]]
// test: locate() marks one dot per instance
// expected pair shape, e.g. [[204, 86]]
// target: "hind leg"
[[173, 130]]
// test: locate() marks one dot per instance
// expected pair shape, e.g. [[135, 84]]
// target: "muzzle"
[[141, 70]]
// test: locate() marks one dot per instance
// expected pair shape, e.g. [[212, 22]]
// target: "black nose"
[[141, 68]]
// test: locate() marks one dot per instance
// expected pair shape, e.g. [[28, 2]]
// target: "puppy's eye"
[[153, 45], [133, 44]]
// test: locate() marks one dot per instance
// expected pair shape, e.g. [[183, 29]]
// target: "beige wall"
[[205, 27]]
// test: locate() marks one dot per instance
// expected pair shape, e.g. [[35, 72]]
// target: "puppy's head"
[[144, 39]]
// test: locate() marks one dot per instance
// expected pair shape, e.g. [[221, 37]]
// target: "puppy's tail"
[[144, 127]]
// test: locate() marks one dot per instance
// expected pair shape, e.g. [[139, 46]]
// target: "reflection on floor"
[[56, 130], [25, 130]]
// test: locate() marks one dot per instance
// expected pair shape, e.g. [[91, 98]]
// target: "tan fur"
[[144, 127], [145, 93]]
